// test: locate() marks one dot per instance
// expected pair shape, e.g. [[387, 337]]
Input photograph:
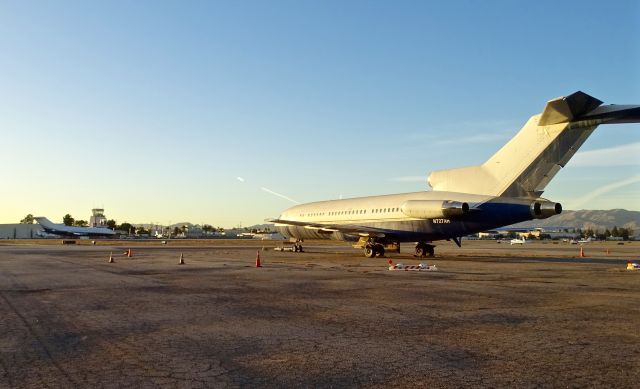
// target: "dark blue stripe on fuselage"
[[489, 215]]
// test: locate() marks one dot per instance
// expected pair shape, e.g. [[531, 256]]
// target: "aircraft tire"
[[424, 249], [380, 251], [430, 250], [369, 251]]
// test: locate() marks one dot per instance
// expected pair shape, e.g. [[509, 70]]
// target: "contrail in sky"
[[279, 195], [602, 190], [271, 192]]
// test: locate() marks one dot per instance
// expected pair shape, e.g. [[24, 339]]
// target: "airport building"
[[20, 231], [97, 218]]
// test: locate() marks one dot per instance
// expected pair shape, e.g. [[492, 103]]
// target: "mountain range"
[[590, 219]]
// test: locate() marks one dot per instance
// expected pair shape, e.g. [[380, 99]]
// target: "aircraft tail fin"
[[565, 109], [526, 164], [44, 222]]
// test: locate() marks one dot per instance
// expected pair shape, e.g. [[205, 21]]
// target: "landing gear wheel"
[[424, 249], [380, 251], [430, 250], [370, 251]]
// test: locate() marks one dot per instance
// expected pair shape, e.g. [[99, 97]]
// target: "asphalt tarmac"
[[493, 315]]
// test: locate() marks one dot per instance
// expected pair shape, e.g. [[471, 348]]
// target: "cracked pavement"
[[325, 318]]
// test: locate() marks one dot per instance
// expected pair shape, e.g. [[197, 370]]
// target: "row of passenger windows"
[[351, 212]]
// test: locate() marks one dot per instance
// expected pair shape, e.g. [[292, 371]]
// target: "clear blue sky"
[[153, 109]]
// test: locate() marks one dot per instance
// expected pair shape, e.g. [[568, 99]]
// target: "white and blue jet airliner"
[[504, 190], [61, 229]]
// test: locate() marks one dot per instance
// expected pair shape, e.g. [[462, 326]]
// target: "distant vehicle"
[[588, 240], [573, 241], [504, 190], [63, 230], [518, 241]]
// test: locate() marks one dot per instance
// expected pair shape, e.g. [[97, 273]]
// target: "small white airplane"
[[518, 241], [61, 229], [588, 240], [504, 190]]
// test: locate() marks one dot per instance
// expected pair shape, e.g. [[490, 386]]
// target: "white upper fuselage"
[[383, 208], [390, 217]]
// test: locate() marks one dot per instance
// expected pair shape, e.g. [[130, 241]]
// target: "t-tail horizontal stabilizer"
[[526, 164]]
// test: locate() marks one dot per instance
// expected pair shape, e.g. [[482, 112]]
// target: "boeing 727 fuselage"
[[506, 189]]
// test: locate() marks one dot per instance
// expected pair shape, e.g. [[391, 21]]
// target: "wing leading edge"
[[350, 229]]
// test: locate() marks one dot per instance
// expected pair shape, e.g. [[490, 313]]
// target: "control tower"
[[97, 218]]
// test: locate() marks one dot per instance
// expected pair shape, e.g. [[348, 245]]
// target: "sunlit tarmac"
[[492, 315]]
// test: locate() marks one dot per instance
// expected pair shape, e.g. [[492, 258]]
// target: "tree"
[[126, 227], [615, 232], [68, 220], [27, 219], [80, 223], [625, 232], [588, 233], [142, 231], [111, 224], [176, 231]]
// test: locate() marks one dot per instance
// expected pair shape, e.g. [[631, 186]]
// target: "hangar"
[[20, 231]]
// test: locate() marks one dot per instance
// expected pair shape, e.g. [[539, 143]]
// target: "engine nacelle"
[[434, 209], [542, 209]]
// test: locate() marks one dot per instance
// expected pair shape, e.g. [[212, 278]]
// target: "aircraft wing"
[[351, 229]]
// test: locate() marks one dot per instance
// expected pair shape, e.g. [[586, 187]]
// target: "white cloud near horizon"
[[469, 132], [581, 201], [623, 155]]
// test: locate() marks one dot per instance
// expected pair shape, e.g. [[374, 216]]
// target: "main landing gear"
[[376, 247], [373, 249], [424, 249]]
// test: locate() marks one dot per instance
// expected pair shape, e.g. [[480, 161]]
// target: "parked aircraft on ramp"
[[504, 190], [61, 229], [518, 241]]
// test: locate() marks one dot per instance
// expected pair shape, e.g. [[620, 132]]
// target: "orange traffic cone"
[[129, 254], [181, 262], [111, 257], [581, 252], [258, 259]]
